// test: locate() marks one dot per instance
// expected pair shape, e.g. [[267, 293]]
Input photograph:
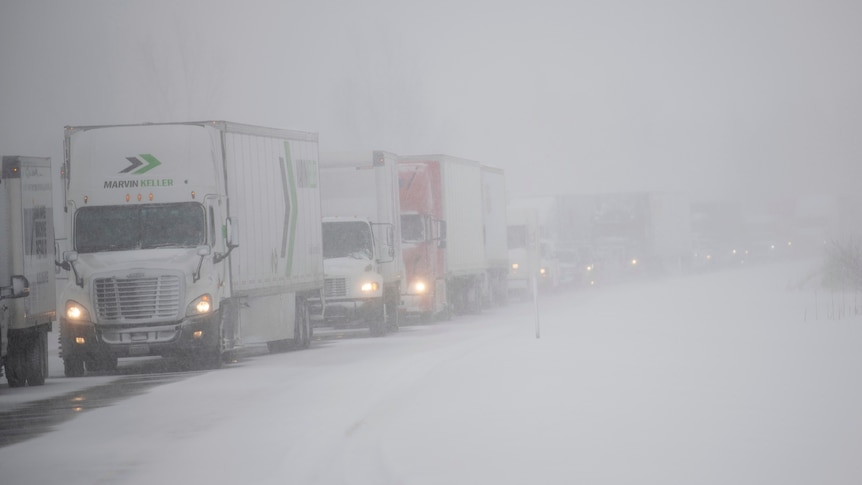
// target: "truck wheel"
[[73, 366], [302, 326], [208, 359], [278, 346], [24, 359], [15, 375], [392, 317], [377, 321], [101, 363], [36, 358]]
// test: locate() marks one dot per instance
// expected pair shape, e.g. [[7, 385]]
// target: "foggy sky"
[[718, 98]]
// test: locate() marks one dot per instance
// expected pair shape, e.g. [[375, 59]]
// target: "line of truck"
[[194, 239]]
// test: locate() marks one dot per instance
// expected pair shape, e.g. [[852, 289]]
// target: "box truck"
[[27, 263], [444, 235], [362, 262], [188, 239]]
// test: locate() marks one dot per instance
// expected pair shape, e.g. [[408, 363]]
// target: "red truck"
[[453, 228]]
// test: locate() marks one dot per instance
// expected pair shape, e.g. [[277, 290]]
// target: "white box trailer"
[[27, 254], [361, 240], [189, 240]]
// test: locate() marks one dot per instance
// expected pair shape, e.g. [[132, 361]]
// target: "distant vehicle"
[[523, 248], [597, 238], [188, 240], [450, 263], [544, 209], [361, 241], [27, 262]]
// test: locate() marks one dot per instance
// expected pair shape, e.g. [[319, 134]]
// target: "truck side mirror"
[[232, 233], [441, 234], [20, 286], [231, 238]]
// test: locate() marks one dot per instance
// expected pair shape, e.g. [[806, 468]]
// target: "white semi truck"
[[188, 240], [27, 263], [361, 240]]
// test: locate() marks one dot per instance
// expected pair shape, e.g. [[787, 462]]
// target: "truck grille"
[[136, 299], [334, 287]]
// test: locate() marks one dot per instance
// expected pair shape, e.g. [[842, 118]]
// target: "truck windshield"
[[517, 237], [412, 228], [347, 239], [121, 228]]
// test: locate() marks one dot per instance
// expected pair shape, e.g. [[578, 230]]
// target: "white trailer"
[[188, 240], [362, 259], [27, 257]]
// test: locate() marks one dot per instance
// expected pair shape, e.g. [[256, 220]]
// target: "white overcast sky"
[[719, 98]]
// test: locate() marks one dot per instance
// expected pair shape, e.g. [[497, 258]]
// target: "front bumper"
[[345, 311], [87, 339], [417, 304]]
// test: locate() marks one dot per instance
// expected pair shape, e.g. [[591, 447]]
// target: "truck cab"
[[354, 253], [361, 234]]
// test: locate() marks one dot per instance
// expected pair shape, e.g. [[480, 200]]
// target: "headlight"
[[76, 312], [542, 271], [368, 287], [200, 306], [420, 287], [515, 266]]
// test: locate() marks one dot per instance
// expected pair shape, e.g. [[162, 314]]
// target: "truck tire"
[[377, 321], [101, 363], [15, 375], [302, 326], [26, 358], [73, 366], [392, 320], [36, 358], [210, 359]]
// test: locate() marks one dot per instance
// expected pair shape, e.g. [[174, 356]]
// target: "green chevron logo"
[[138, 166]]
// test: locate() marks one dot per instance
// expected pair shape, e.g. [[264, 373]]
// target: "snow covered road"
[[710, 379]]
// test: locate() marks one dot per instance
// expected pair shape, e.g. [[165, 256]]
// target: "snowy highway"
[[730, 377]]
